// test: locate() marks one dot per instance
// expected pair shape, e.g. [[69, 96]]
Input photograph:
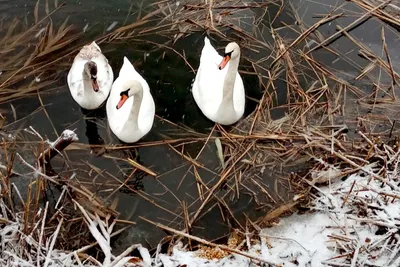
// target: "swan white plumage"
[[130, 107], [218, 88], [90, 77]]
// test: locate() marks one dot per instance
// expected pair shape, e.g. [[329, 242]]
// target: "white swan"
[[218, 88], [130, 107], [90, 77]]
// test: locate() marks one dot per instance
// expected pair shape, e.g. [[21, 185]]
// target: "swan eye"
[[124, 92], [228, 54]]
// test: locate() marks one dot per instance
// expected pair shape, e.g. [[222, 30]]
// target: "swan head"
[[128, 89], [232, 51], [90, 69]]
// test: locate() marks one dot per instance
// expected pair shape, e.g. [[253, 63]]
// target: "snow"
[[180, 256], [355, 222], [300, 238], [67, 134], [335, 227]]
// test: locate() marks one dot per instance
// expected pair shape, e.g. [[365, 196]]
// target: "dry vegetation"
[[328, 131]]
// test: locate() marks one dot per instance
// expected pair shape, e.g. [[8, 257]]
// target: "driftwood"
[[66, 138]]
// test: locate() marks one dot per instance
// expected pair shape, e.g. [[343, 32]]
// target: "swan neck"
[[85, 70], [87, 86], [137, 102], [230, 78]]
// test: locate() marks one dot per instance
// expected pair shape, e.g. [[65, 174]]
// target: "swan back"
[[89, 51]]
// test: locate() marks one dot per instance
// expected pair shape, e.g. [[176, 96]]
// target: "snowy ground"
[[353, 219], [353, 223]]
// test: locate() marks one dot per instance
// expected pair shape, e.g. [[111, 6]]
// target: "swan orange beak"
[[224, 62], [122, 101], [95, 85]]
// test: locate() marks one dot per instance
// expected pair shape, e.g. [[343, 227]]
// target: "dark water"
[[169, 79], [347, 64]]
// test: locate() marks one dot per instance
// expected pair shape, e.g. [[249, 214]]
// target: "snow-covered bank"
[[356, 223], [353, 223]]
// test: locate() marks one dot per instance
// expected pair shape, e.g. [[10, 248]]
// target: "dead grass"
[[328, 130], [32, 55]]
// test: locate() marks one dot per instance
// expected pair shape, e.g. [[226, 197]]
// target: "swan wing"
[[75, 73], [239, 96], [209, 54], [128, 71], [146, 113], [75, 79]]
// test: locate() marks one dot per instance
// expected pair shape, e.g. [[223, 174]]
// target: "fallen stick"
[[66, 138]]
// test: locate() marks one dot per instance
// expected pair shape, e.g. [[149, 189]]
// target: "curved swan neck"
[[137, 102], [86, 78], [230, 78]]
